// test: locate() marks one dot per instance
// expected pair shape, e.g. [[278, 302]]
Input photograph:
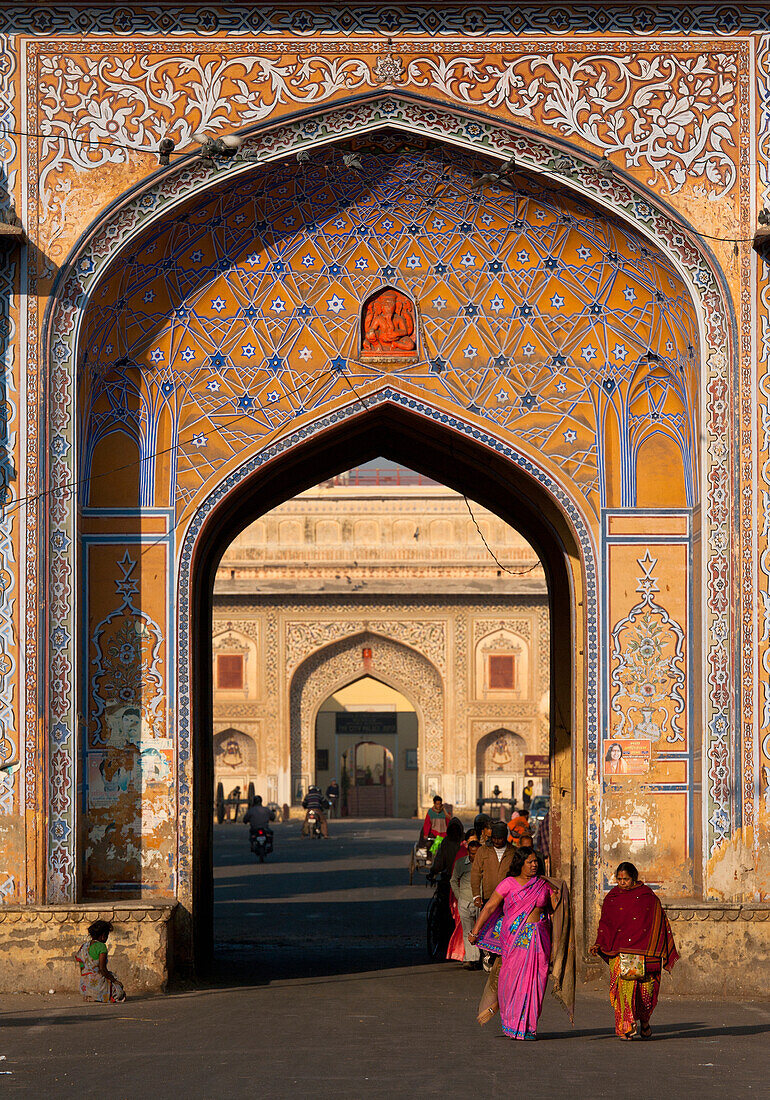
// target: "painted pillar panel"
[[647, 750], [128, 751]]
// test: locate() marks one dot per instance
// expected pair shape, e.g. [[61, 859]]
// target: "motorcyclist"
[[259, 817], [314, 800]]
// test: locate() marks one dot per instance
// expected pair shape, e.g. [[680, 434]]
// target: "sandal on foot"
[[646, 1032]]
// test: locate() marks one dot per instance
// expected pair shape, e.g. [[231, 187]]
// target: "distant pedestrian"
[[333, 797], [436, 819], [543, 841], [520, 832], [97, 983], [234, 803], [635, 938], [526, 795], [482, 825], [444, 859]]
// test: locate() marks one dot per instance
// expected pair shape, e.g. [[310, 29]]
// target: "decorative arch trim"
[[303, 708]]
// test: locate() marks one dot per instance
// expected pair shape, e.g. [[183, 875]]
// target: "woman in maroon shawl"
[[635, 938]]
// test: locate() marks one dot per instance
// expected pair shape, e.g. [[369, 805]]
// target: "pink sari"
[[525, 950], [456, 948]]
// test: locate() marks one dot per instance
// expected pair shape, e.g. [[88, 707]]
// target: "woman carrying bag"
[[635, 938]]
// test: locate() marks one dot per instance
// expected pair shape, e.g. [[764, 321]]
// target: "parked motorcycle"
[[261, 844]]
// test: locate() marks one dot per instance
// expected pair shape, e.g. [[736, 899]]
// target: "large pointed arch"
[[458, 454], [338, 664], [462, 450]]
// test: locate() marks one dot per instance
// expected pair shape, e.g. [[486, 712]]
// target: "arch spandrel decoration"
[[536, 311], [328, 669], [90, 263]]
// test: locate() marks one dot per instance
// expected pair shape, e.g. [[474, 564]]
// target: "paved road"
[[318, 907], [322, 989]]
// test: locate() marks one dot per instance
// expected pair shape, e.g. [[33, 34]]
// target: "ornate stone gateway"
[[552, 336], [489, 264]]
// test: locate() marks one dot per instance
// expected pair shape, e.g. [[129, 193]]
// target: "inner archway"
[[379, 782], [449, 456], [389, 663]]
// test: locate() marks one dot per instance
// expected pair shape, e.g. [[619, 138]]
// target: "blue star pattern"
[[265, 280]]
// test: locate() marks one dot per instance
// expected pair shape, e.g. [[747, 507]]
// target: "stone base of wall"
[[37, 944], [724, 949]]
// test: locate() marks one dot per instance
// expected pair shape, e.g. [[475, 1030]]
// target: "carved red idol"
[[389, 325]]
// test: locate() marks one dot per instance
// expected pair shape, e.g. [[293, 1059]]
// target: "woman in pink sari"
[[522, 936]]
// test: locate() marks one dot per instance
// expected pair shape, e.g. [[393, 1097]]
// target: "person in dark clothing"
[[482, 825], [333, 797], [444, 859], [258, 816], [443, 865], [314, 800]]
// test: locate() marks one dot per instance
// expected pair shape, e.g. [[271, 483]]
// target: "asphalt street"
[[322, 987]]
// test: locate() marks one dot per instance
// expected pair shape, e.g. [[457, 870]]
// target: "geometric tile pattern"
[[289, 18], [533, 309]]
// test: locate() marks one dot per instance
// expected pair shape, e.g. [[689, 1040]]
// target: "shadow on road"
[[317, 907]]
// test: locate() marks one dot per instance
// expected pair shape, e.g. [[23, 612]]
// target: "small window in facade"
[[502, 672], [230, 671]]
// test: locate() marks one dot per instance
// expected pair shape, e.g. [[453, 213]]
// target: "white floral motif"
[[117, 104], [675, 113]]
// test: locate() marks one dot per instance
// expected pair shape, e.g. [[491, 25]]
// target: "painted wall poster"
[[626, 757]]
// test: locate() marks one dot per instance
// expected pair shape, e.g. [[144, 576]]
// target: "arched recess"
[[499, 761], [393, 331], [336, 665]]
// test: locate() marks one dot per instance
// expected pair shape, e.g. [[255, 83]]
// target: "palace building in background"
[[515, 249], [364, 627]]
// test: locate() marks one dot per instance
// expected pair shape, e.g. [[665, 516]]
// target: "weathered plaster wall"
[[37, 944], [725, 949]]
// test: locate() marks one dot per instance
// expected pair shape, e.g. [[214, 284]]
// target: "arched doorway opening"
[[352, 667], [376, 781], [468, 463], [235, 769], [369, 768]]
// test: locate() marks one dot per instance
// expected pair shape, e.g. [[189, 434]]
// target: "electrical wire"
[[73, 485], [513, 572], [490, 551], [87, 141], [174, 153]]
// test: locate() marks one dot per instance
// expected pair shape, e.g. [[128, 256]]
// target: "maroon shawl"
[[633, 921]]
